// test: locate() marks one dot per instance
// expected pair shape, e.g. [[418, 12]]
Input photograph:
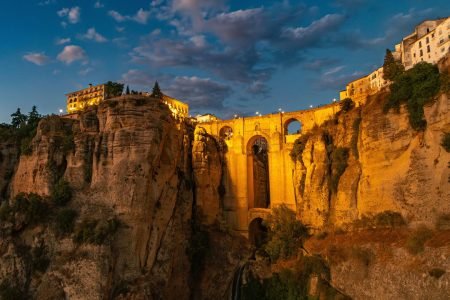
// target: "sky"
[[222, 57]]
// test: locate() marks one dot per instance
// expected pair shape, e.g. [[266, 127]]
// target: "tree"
[[113, 89], [18, 119], [127, 90], [34, 117], [391, 68], [156, 92]]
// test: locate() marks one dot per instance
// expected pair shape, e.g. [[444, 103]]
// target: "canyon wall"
[[389, 166], [126, 160]]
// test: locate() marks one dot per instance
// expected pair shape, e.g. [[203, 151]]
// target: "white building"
[[206, 118], [429, 42]]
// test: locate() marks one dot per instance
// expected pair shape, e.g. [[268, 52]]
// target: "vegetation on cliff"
[[286, 233], [415, 87], [446, 141]]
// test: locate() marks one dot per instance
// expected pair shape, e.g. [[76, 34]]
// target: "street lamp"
[[311, 106], [61, 111]]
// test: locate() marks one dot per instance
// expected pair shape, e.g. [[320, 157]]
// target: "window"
[[428, 30], [420, 43], [428, 49], [442, 49], [421, 53], [432, 35], [414, 54], [441, 41], [428, 40]]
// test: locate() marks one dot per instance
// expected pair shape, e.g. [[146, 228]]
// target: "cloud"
[[72, 14], [397, 26], [98, 4], [334, 79], [47, 2], [319, 63], [137, 77], [229, 63], [116, 16], [201, 93], [141, 16], [85, 71], [39, 59], [62, 41], [71, 54], [93, 35]]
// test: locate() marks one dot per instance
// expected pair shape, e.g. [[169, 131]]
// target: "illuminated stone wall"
[[238, 202]]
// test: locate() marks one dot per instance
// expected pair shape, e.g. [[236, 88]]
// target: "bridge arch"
[[293, 126], [258, 181]]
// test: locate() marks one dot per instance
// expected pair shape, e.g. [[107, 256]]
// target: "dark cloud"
[[231, 63], [200, 93], [319, 63], [335, 79]]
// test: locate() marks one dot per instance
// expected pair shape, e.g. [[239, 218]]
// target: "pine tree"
[[18, 119], [127, 91], [156, 92], [391, 68], [33, 116]]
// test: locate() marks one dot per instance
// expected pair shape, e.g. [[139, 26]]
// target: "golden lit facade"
[[177, 107], [79, 100]]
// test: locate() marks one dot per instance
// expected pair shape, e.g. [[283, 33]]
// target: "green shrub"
[[286, 234], [5, 212], [416, 87], [346, 104], [61, 193], [65, 221], [95, 231], [31, 207], [446, 141], [389, 219], [436, 273], [26, 146], [339, 158], [40, 260], [299, 147], [416, 241], [9, 291]]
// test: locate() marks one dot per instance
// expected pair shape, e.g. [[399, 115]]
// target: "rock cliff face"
[[388, 166], [129, 160]]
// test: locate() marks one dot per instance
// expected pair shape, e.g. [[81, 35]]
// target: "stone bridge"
[[255, 181]]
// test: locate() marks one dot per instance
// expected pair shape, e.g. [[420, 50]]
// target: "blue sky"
[[223, 57]]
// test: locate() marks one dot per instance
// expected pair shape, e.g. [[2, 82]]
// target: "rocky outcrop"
[[207, 172], [389, 167], [129, 160]]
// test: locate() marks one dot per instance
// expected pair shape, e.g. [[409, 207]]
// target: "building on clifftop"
[[78, 100]]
